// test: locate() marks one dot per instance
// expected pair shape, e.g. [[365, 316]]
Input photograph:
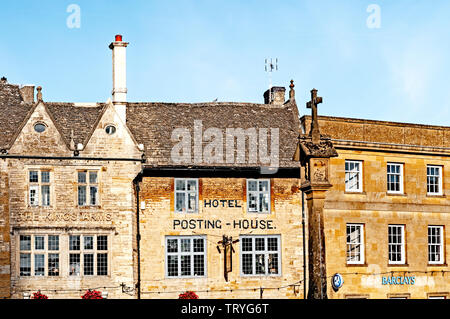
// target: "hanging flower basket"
[[92, 294], [38, 295], [188, 295]]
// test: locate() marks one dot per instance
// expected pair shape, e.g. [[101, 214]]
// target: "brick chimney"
[[275, 95], [27, 93], [119, 73]]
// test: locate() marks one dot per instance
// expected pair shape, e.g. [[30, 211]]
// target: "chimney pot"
[[118, 38]]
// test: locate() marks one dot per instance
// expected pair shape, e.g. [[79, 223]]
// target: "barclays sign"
[[410, 280]]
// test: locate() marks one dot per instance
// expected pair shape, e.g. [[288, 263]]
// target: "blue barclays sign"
[[410, 280]]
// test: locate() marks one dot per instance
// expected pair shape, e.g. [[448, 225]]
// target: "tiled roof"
[[152, 124], [81, 120], [13, 111]]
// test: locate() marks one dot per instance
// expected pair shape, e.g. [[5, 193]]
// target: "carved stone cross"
[[314, 132]]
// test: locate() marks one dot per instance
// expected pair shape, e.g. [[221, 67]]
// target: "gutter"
[[72, 158]]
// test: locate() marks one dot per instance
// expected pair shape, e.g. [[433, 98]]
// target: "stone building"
[[148, 200], [387, 215]]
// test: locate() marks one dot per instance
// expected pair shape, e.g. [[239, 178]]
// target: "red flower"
[[188, 295], [92, 294], [38, 295]]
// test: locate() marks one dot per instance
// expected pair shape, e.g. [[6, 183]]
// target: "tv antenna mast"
[[271, 65]]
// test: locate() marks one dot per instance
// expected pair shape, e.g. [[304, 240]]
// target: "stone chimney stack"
[[275, 95], [27, 93], [119, 73]]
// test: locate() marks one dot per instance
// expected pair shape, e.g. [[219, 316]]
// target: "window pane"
[[93, 195], [172, 269], [102, 242], [53, 264], [34, 195], [102, 264], [260, 243], [180, 204], [82, 177], [180, 185], [74, 243], [273, 264], [25, 242], [39, 242], [45, 177], [25, 265], [252, 185], [172, 245], [260, 264], [192, 185], [93, 177], [247, 264], [88, 242], [185, 265], [53, 242], [198, 245], [199, 265], [39, 265], [74, 264], [272, 244], [45, 189], [88, 264], [185, 245], [247, 244], [81, 195], [34, 177]]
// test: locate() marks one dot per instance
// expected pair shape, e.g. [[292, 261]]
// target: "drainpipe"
[[136, 182], [304, 248]]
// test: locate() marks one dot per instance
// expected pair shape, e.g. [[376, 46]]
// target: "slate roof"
[[81, 120], [13, 111], [152, 124]]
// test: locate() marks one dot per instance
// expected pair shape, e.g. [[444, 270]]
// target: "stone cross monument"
[[314, 152]]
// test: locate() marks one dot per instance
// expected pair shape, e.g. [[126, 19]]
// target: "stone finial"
[[39, 93], [315, 100], [3, 80], [292, 91]]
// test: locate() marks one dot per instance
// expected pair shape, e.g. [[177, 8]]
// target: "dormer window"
[[40, 127], [110, 129]]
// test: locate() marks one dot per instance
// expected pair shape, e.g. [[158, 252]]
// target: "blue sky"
[[199, 50]]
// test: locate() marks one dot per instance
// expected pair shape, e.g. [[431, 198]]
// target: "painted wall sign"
[[410, 280], [230, 203], [217, 224]]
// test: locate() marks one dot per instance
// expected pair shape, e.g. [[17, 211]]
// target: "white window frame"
[[401, 245], [359, 182], [257, 194], [264, 252], [400, 175], [360, 244], [37, 187], [85, 251], [191, 253], [440, 182], [33, 251], [88, 185], [440, 246], [186, 194]]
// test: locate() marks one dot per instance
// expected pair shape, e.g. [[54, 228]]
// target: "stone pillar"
[[314, 152]]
